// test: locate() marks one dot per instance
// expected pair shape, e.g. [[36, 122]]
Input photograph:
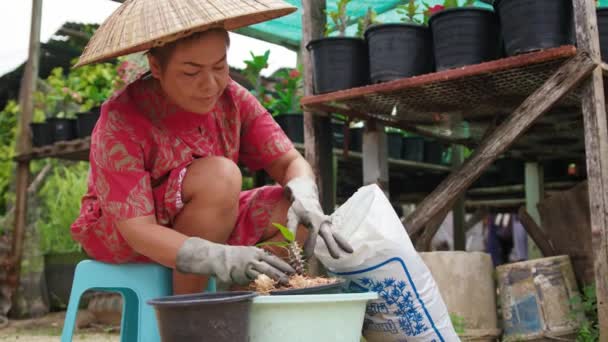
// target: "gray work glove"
[[235, 264], [306, 210]]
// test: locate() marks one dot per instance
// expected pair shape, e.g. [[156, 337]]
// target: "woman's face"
[[195, 73]]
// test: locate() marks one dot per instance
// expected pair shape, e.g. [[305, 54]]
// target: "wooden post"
[[459, 211], [596, 150], [28, 87], [562, 81], [375, 156], [534, 189], [317, 129]]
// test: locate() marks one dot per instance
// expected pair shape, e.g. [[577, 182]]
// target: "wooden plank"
[[514, 189], [375, 156], [28, 89], [443, 76], [596, 146], [459, 208], [563, 80], [317, 129], [540, 238]]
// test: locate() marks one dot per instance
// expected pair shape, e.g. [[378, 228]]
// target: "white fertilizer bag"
[[410, 307]]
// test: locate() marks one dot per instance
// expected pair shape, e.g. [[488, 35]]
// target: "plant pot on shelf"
[[338, 63], [464, 36], [413, 148], [602, 26], [42, 134], [293, 125], [217, 317], [59, 271], [335, 317], [394, 142], [337, 133], [85, 122], [63, 129], [530, 25], [398, 51], [433, 152], [356, 139]]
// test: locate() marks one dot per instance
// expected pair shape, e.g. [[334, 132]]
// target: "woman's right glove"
[[235, 264]]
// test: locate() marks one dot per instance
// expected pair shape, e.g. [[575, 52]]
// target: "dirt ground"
[[48, 328]]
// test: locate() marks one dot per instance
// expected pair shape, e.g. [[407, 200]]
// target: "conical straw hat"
[[139, 25]]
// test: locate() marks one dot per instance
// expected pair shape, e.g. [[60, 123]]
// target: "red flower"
[[294, 73], [435, 9]]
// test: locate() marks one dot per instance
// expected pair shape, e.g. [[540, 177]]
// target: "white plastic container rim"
[[312, 299]]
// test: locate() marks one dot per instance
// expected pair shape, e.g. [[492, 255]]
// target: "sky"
[[15, 19]]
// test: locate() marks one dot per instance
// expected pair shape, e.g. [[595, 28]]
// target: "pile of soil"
[[264, 284]]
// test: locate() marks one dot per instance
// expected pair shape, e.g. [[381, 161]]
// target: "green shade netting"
[[287, 31]]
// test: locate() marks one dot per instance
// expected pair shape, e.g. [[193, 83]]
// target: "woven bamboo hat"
[[138, 25]]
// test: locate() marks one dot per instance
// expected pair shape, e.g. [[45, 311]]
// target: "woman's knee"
[[217, 179]]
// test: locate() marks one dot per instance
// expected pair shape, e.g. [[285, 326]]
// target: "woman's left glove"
[[306, 210]]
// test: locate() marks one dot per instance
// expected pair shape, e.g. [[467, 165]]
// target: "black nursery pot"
[[356, 139], [395, 140], [85, 123], [338, 63], [398, 51], [433, 152], [602, 26], [63, 129], [293, 125], [204, 317], [464, 36], [530, 25], [42, 133], [413, 148]]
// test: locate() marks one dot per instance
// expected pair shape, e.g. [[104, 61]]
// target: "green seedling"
[[291, 245]]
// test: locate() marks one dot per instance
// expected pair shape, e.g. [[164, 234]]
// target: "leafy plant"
[[410, 12], [292, 246], [458, 323], [60, 202], [370, 18], [287, 92], [586, 305], [339, 19], [253, 71]]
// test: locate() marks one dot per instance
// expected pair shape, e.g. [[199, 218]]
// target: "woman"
[[164, 182]]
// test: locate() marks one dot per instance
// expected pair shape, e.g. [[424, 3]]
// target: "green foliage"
[[586, 304], [370, 18], [287, 235], [410, 12], [8, 132], [60, 198], [458, 323], [339, 19], [253, 71], [287, 92]]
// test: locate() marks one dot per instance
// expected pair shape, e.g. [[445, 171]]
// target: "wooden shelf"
[[70, 150], [482, 95]]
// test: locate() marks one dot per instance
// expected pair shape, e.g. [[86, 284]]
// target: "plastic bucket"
[[536, 299], [398, 51], [42, 133], [306, 318], [529, 25], [338, 64], [204, 317], [63, 129], [464, 36]]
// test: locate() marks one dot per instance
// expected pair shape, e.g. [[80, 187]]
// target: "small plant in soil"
[[339, 19], [264, 284], [370, 18]]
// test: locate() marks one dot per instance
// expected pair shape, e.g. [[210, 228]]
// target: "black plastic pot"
[[413, 148], [356, 139], [464, 36], [395, 140], [63, 129], [292, 125], [334, 288], [398, 51], [338, 63], [85, 122], [530, 25], [433, 152], [42, 134], [602, 26], [204, 317]]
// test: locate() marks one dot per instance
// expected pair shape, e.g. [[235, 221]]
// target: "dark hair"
[[164, 53]]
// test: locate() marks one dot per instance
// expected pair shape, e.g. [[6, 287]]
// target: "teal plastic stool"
[[137, 283]]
